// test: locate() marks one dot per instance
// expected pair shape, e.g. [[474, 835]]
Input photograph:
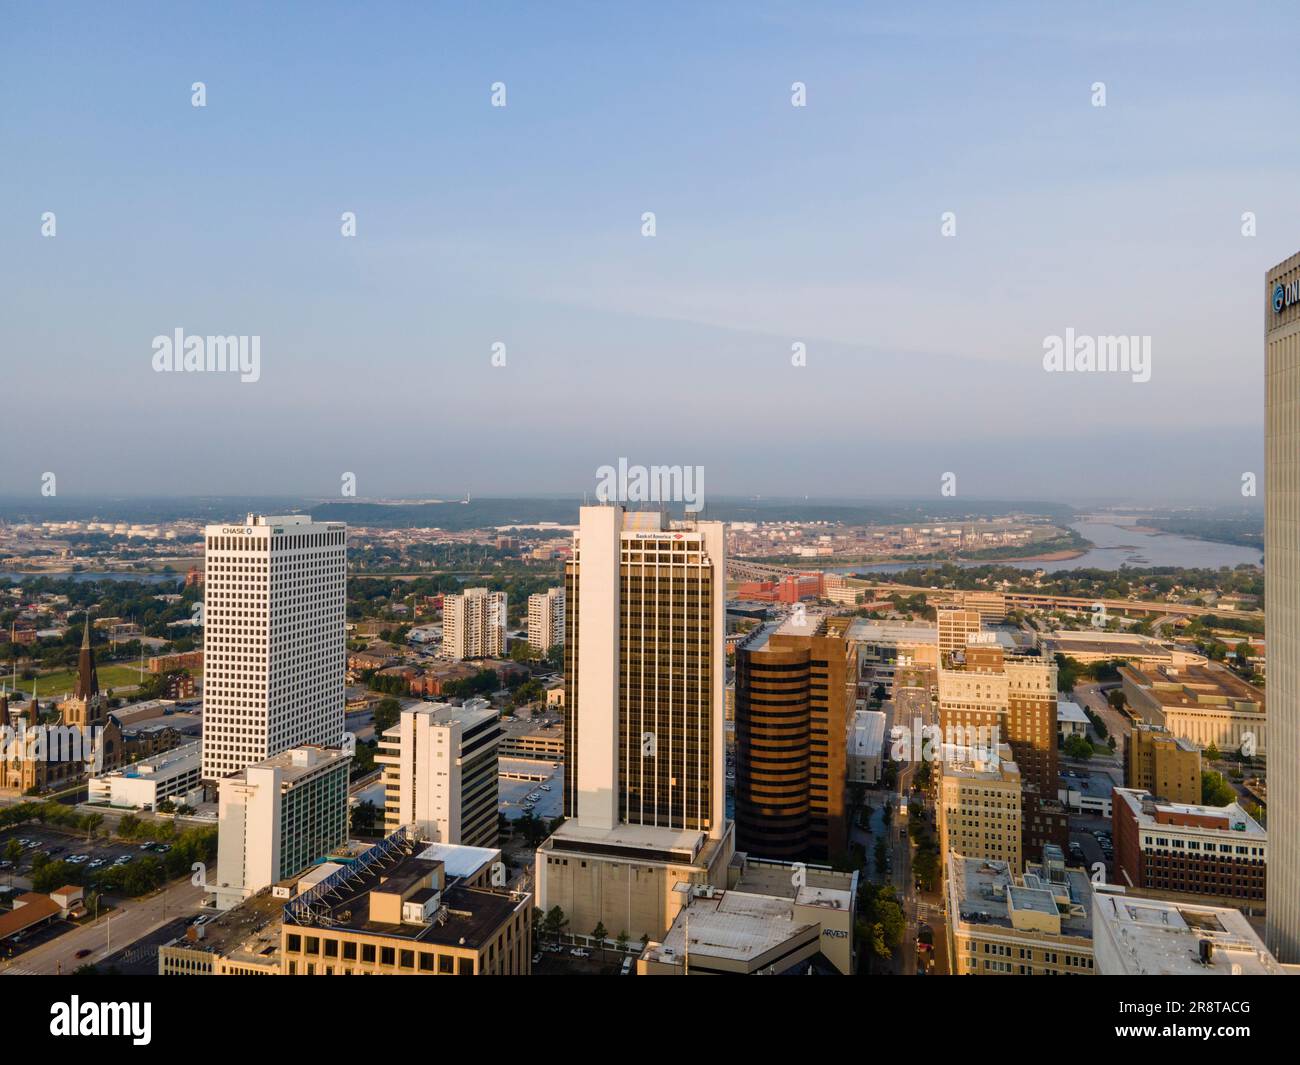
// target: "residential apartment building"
[[644, 683], [474, 624], [273, 639], [1166, 765], [796, 692], [546, 619], [440, 773], [1188, 849]]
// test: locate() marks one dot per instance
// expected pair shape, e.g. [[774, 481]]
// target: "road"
[[132, 920], [1093, 697]]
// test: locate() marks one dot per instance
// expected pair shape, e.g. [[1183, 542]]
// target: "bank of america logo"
[[1279, 299]]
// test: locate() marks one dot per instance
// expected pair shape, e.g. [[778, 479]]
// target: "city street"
[[132, 920]]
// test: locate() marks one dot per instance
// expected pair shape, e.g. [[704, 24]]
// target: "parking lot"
[[550, 961], [543, 797], [62, 846], [1090, 849]]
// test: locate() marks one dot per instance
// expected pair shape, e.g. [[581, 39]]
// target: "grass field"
[[50, 685]]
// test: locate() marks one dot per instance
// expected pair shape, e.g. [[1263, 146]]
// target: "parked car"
[[580, 952]]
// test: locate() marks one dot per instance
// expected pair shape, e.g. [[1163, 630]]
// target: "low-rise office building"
[[394, 912], [1135, 935], [776, 917], [1185, 848], [1000, 924], [1206, 704], [1157, 761], [142, 785], [866, 747], [1070, 718], [1086, 793], [1098, 645]]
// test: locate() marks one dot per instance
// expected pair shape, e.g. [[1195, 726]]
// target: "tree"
[[387, 711], [600, 934], [1212, 753], [1068, 671], [1077, 747], [622, 941], [13, 851], [555, 922], [363, 816], [1215, 791]]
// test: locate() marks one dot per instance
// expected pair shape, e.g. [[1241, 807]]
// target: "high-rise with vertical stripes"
[[644, 660], [1282, 601]]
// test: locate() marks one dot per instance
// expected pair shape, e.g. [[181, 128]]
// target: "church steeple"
[[87, 677]]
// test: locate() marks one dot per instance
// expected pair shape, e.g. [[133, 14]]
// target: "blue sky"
[[522, 225]]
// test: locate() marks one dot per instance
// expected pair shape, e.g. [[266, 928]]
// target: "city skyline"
[[655, 489]]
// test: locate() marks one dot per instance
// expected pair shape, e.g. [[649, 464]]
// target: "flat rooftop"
[[821, 886], [985, 893], [640, 837], [865, 630], [460, 862], [316, 759], [1158, 937], [1149, 810], [1207, 687], [733, 924], [469, 917], [1131, 646]]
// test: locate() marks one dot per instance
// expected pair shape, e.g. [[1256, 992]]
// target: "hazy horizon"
[[522, 225]]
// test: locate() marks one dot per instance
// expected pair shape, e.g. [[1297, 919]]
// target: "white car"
[[580, 952]]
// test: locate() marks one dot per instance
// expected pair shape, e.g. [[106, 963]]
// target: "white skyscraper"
[[275, 595], [440, 773], [546, 619], [1282, 602], [474, 624], [644, 770]]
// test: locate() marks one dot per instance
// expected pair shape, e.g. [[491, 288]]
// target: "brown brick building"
[[1188, 849]]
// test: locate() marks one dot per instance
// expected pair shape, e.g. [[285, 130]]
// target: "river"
[[1115, 546]]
